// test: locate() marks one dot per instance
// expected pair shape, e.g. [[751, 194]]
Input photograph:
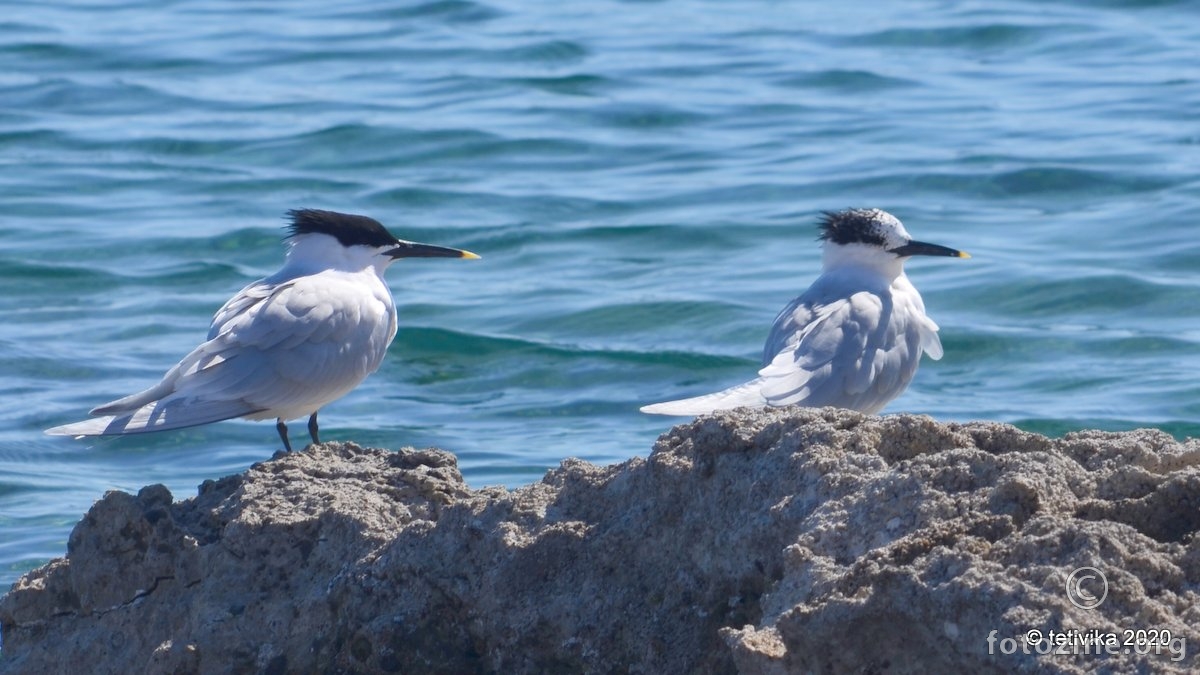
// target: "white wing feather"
[[743, 395]]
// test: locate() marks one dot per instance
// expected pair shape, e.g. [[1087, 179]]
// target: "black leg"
[[312, 429], [282, 429]]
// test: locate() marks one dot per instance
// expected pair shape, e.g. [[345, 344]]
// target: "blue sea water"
[[642, 180]]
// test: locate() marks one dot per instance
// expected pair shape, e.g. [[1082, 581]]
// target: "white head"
[[328, 239], [873, 238]]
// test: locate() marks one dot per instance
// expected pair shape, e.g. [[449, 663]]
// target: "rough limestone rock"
[[768, 541]]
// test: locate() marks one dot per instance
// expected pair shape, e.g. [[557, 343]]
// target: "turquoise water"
[[643, 181]]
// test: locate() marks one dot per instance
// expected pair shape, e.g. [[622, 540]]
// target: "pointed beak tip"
[[467, 255], [964, 255]]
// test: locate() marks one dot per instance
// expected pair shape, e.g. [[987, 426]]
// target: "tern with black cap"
[[854, 338], [286, 345]]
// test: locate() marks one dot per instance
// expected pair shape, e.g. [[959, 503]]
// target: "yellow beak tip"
[[467, 255], [964, 254]]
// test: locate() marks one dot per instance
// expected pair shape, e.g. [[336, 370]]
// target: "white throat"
[[862, 256], [310, 253]]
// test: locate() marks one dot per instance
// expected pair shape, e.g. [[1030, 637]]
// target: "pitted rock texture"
[[754, 541]]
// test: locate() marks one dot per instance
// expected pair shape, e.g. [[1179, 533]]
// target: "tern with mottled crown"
[[854, 338]]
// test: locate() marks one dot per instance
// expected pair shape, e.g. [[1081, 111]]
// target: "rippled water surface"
[[643, 181]]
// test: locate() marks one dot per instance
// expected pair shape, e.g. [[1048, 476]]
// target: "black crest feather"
[[852, 226], [347, 228]]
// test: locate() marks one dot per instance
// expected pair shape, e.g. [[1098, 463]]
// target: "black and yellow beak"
[[411, 249], [921, 248]]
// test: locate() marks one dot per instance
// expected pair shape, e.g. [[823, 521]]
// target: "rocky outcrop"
[[766, 541]]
